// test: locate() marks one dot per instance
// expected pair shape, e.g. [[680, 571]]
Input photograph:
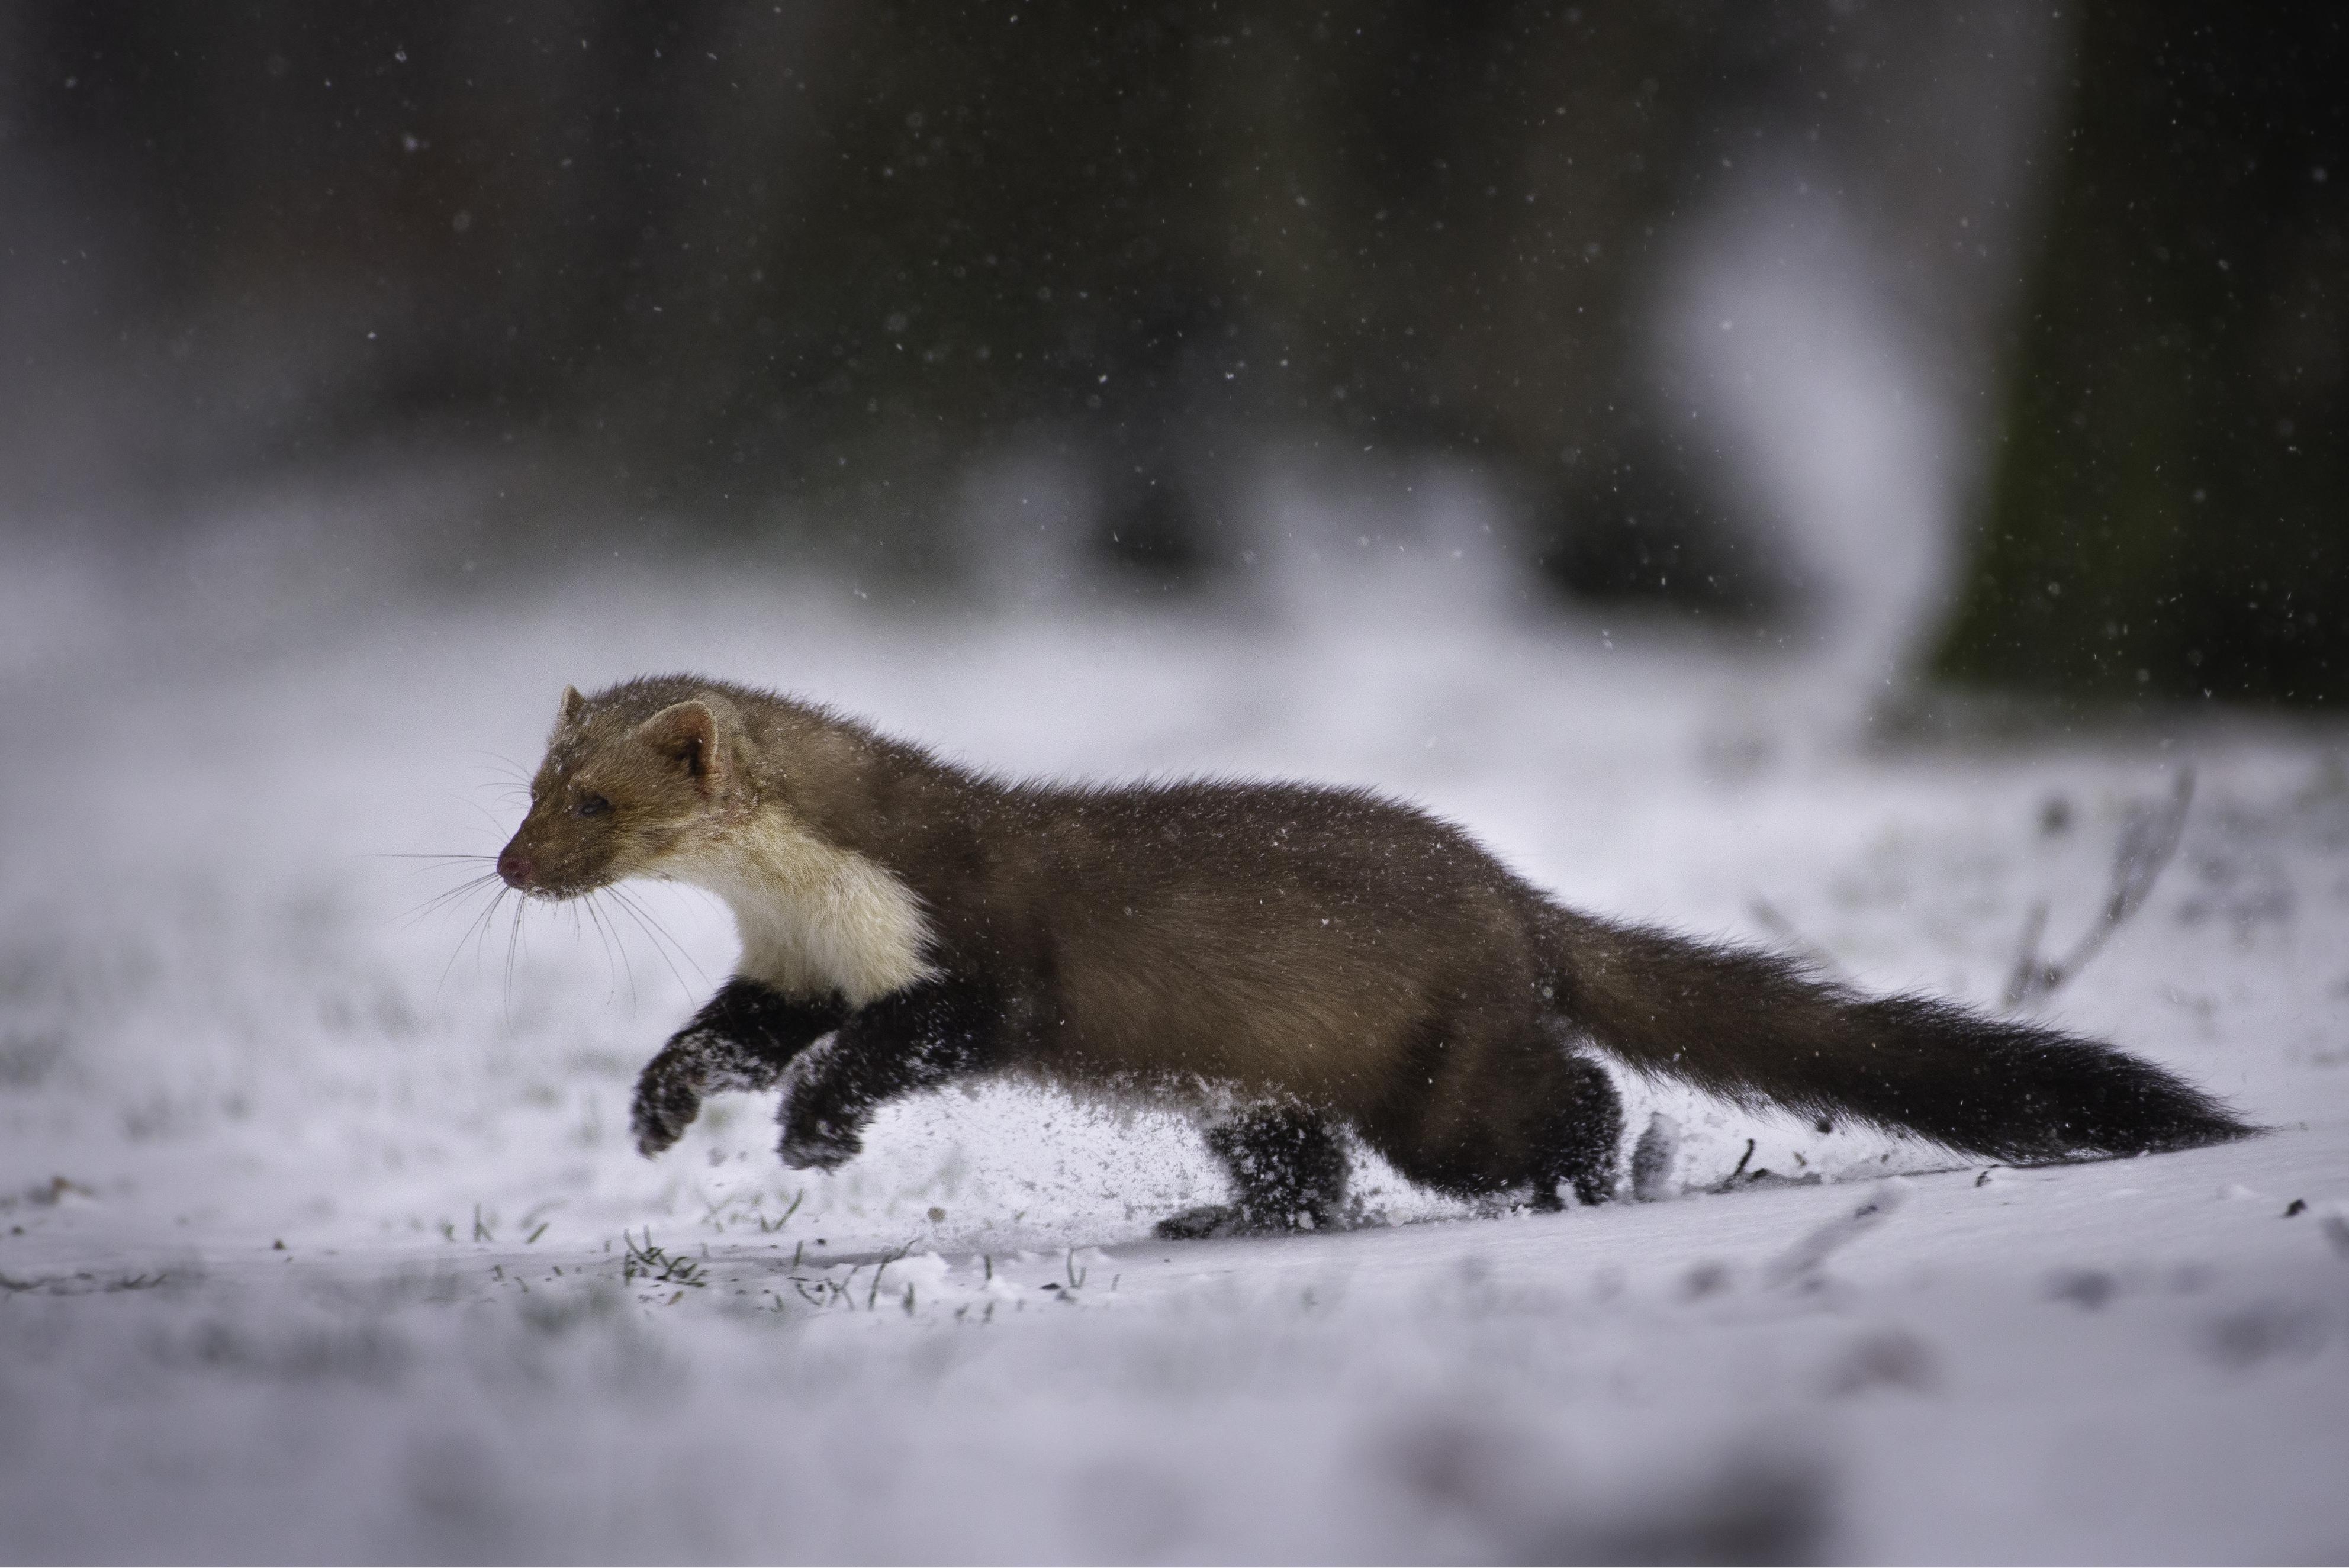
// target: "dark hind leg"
[[1288, 1170], [1491, 1106], [1580, 1140]]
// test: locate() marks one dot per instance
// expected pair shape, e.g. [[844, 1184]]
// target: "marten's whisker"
[[513, 941], [441, 901], [612, 943], [478, 923], [489, 928], [663, 942], [513, 772], [652, 934], [487, 815], [611, 981]]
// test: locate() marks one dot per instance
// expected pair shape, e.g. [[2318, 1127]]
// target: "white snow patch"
[[321, 1236]]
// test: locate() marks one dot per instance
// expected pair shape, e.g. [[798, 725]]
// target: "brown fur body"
[[1293, 960]]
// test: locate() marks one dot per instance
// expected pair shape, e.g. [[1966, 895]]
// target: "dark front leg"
[[742, 1039], [915, 1040]]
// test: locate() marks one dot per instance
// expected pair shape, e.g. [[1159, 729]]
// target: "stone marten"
[[1293, 963]]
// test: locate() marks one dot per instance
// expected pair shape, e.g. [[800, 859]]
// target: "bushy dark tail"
[[1756, 1028]]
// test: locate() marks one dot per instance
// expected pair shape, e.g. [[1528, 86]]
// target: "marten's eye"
[[591, 806]]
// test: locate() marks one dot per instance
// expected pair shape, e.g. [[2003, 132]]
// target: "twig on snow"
[[1729, 1182], [2148, 842], [1801, 1262]]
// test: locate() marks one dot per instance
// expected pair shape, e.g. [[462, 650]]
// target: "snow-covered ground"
[[322, 1238]]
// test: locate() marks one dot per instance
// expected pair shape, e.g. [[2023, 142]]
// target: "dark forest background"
[[770, 283]]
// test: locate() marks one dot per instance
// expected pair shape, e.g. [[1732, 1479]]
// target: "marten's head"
[[637, 782]]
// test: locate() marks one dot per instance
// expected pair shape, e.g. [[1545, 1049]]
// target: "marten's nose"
[[515, 867]]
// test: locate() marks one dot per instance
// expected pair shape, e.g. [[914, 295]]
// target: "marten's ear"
[[574, 704], [686, 734]]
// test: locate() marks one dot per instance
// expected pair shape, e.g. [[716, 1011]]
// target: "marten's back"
[[1282, 937]]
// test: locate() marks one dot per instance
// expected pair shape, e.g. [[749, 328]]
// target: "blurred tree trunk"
[[2168, 510]]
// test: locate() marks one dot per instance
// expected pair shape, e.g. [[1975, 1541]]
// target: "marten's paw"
[[823, 1120], [694, 1064], [1199, 1224], [819, 1143], [1212, 1220], [669, 1097]]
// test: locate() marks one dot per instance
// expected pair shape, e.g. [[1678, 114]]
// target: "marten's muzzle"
[[520, 872]]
